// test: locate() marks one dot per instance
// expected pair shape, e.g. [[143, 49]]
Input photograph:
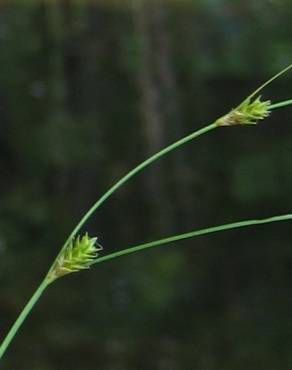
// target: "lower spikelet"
[[79, 254]]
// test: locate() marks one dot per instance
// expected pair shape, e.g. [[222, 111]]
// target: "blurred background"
[[88, 89]]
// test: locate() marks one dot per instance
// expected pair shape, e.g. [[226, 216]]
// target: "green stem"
[[96, 205], [23, 315], [132, 173], [280, 104], [268, 82], [150, 160], [209, 230]]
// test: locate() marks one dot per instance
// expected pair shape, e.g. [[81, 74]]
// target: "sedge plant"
[[80, 252]]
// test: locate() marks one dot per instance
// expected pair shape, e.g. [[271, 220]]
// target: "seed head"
[[247, 113], [79, 254]]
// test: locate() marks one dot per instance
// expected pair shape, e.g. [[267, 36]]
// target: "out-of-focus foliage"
[[88, 90]]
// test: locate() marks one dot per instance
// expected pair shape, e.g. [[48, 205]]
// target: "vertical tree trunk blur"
[[57, 114], [57, 88], [160, 111], [148, 22]]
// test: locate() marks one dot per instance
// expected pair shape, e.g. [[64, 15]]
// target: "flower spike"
[[249, 112], [79, 254]]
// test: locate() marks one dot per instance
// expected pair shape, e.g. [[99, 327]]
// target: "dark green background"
[[87, 90]]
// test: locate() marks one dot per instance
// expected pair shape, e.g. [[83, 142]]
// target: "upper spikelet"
[[247, 113]]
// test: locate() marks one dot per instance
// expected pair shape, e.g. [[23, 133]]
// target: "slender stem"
[[25, 312], [138, 169], [158, 155], [273, 78], [132, 173], [154, 158], [280, 104], [209, 230]]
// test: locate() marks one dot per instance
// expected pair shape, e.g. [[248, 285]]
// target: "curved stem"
[[25, 312], [209, 230], [280, 104], [132, 173], [37, 294], [266, 83]]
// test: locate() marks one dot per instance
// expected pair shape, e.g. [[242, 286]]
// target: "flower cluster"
[[247, 113], [79, 254]]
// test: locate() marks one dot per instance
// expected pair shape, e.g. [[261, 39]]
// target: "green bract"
[[80, 254], [247, 113]]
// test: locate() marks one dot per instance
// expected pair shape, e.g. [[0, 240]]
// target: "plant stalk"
[[209, 230], [37, 294], [23, 315], [154, 158], [281, 104], [132, 173]]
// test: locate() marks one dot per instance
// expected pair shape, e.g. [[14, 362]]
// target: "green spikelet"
[[79, 254], [247, 113]]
